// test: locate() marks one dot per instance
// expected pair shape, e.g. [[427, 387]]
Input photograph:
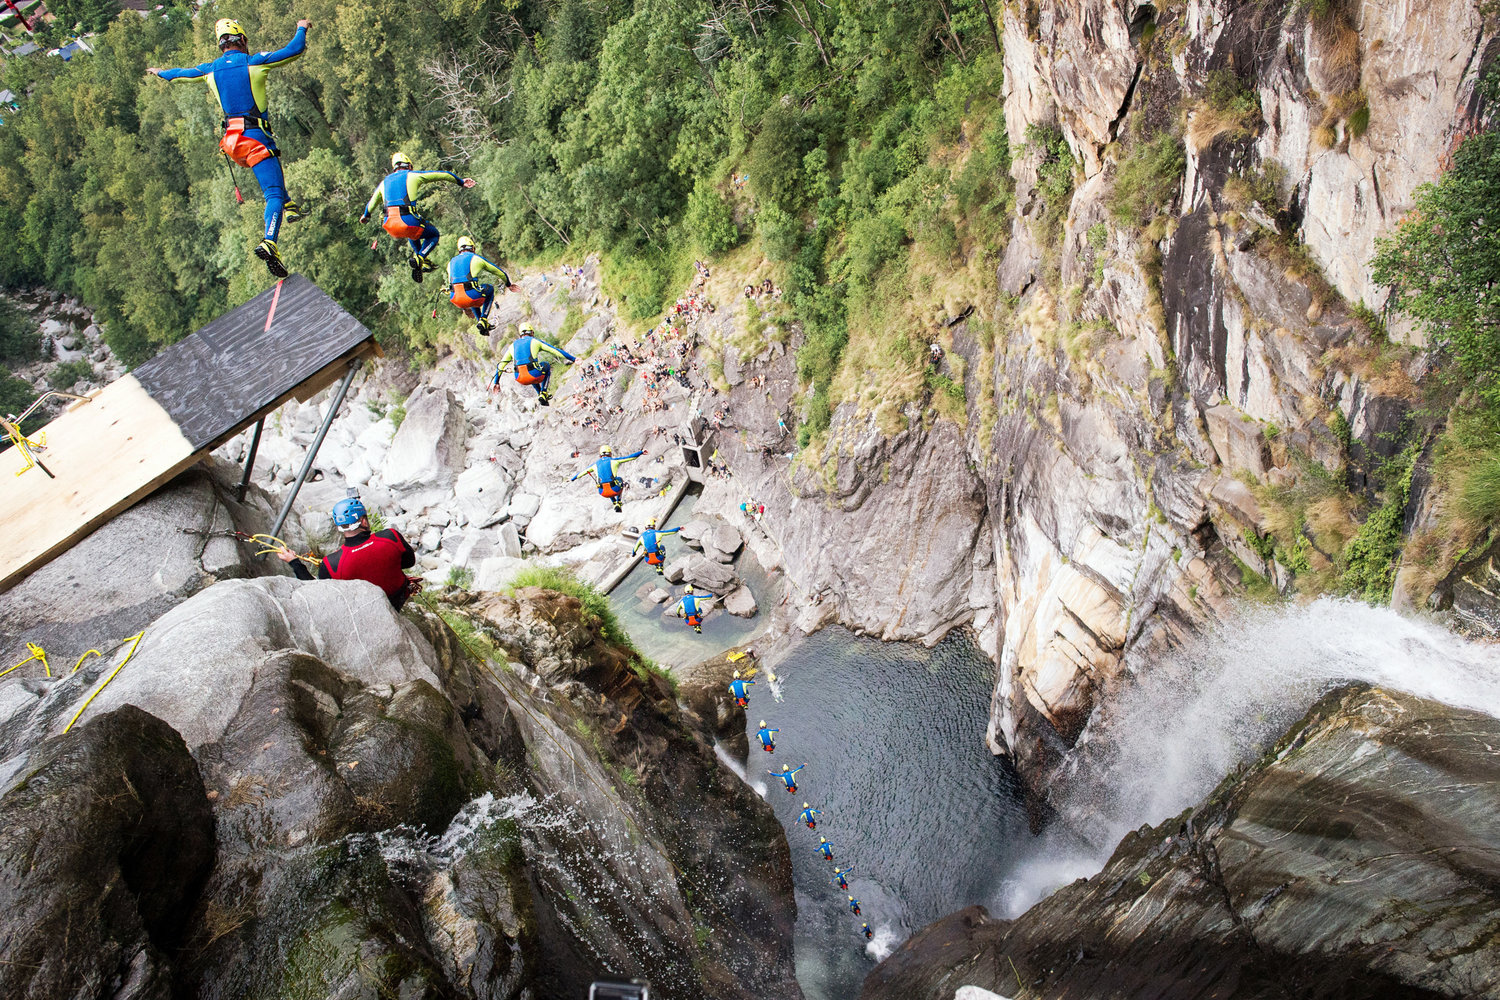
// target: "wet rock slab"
[[1361, 858]]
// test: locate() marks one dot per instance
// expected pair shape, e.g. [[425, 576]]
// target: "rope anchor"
[[269, 544]]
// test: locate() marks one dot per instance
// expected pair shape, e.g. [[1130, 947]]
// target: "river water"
[[893, 737]]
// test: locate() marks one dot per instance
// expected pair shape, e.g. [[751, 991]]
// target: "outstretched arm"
[[189, 73], [556, 352], [416, 180], [374, 201], [669, 531], [478, 265], [291, 50]]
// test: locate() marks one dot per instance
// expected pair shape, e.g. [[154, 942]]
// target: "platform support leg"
[[312, 453], [239, 494]]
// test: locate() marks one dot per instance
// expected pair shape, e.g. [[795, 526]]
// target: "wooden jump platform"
[[290, 342]]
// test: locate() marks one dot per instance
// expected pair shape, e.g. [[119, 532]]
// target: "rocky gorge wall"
[[359, 802], [1137, 383]]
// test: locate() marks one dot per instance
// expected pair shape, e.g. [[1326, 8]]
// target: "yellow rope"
[[92, 652], [37, 653], [23, 445], [137, 640], [271, 544]]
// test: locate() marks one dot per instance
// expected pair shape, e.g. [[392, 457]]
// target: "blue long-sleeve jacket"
[[692, 604], [840, 875], [468, 266], [765, 735], [607, 468], [825, 849], [402, 188], [648, 541], [806, 815], [738, 685], [238, 79], [788, 776]]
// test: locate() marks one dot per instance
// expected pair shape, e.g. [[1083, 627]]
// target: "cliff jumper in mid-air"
[[650, 543], [467, 288], [238, 80], [606, 472], [528, 354], [400, 190]]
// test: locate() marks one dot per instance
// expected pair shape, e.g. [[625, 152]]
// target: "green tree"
[[1442, 264]]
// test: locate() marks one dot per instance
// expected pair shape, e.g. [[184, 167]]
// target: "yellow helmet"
[[605, 450], [227, 26], [465, 243], [526, 327], [651, 523], [400, 161]]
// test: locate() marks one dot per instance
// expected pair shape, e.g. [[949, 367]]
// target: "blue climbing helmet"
[[348, 511]]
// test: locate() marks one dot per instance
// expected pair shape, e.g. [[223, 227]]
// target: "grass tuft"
[[596, 606]]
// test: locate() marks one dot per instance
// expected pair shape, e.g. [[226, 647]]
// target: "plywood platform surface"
[[106, 453]]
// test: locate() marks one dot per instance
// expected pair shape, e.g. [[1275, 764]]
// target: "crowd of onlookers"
[[764, 290]]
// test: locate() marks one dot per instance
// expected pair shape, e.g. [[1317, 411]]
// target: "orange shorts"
[[460, 296], [399, 227], [242, 149]]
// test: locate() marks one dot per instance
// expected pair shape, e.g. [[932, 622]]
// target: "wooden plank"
[[106, 454], [243, 362]]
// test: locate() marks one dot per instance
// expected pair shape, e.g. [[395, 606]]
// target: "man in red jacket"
[[378, 558]]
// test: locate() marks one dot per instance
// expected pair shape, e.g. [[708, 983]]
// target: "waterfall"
[[1188, 719]]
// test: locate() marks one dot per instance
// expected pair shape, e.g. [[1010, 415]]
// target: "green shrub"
[[646, 279], [1442, 265], [709, 219], [874, 243], [1054, 174], [1148, 179], [69, 373], [1480, 498], [775, 160], [15, 395], [1370, 557], [461, 577], [1358, 121], [780, 232], [596, 606], [20, 339]]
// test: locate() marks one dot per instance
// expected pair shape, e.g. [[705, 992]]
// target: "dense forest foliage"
[[871, 136]]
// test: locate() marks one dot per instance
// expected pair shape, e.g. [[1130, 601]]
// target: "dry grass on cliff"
[[1382, 365]]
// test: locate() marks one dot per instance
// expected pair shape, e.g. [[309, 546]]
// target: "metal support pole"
[[239, 494], [338, 400]]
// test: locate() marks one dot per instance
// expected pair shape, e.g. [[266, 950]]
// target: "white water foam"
[[883, 943], [1192, 717], [759, 787]]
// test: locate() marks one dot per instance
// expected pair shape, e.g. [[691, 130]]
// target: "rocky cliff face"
[[369, 804], [1143, 375], [1212, 348], [1355, 860]]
